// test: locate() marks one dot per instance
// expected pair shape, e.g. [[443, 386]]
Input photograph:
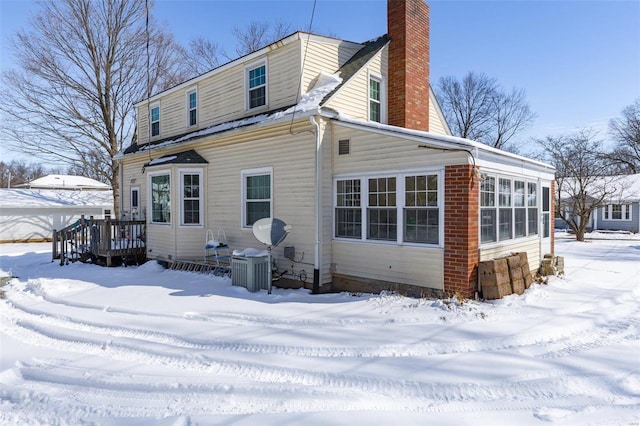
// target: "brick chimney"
[[408, 80]]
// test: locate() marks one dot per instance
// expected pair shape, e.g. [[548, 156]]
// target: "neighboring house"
[[30, 214], [621, 211], [79, 183], [346, 143]]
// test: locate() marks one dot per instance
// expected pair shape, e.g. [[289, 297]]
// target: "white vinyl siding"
[[372, 151], [221, 94], [352, 99], [419, 266]]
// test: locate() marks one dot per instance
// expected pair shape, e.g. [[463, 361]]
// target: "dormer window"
[[192, 108], [155, 120], [256, 86], [376, 99]]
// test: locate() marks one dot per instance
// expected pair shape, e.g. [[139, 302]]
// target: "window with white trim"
[[532, 208], [160, 197], [256, 86], [348, 219], [375, 99], [191, 190], [382, 215], [421, 213], [519, 209], [257, 195], [508, 209], [487, 209], [402, 208], [155, 120], [505, 211], [617, 212], [192, 107]]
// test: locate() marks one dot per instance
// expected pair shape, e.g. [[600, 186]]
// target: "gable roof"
[[357, 62], [184, 157]]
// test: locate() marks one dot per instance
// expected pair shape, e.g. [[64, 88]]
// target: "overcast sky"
[[578, 61]]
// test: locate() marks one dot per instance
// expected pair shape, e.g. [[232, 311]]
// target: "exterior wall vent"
[[344, 146]]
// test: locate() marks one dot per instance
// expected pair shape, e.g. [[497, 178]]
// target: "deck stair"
[[101, 241]]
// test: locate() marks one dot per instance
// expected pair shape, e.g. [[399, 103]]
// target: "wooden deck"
[[103, 241]]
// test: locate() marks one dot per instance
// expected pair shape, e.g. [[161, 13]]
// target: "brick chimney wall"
[[408, 74]]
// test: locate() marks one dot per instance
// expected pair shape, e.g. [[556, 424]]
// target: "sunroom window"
[[508, 209]]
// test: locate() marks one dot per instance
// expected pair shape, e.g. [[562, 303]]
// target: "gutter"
[[317, 215]]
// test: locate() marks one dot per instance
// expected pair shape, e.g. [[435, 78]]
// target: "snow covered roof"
[[185, 157], [65, 182], [627, 189], [54, 198]]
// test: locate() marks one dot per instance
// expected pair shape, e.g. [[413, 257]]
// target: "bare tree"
[[478, 108], [18, 172], [202, 55], [582, 177], [258, 35], [82, 66], [625, 131]]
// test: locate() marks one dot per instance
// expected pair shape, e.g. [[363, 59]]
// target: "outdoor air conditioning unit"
[[251, 272]]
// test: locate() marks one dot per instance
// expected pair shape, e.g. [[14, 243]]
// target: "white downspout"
[[317, 216]]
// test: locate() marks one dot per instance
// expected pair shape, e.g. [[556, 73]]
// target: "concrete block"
[[496, 292], [517, 286]]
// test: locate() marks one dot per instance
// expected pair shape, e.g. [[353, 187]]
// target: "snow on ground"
[[83, 344]]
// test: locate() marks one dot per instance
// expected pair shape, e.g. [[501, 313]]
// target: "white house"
[[346, 143]]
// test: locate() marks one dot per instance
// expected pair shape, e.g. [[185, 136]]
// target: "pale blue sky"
[[578, 61]]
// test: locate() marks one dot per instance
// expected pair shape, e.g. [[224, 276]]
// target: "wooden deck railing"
[[99, 239]]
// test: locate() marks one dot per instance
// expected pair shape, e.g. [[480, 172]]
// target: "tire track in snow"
[[604, 335], [269, 374], [36, 293], [561, 344], [356, 394]]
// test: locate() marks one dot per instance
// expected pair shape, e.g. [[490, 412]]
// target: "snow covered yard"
[[82, 344]]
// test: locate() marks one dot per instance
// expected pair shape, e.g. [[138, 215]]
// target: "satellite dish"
[[271, 231]]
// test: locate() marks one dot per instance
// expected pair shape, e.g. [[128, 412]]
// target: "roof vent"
[[344, 147]]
